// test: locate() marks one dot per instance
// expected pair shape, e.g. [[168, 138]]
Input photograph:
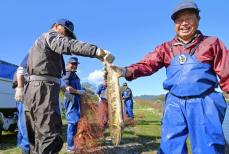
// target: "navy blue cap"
[[185, 5], [68, 25], [73, 60]]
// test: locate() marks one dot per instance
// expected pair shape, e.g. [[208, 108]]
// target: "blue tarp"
[[7, 70]]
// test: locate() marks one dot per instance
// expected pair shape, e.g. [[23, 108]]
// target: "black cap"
[[185, 5]]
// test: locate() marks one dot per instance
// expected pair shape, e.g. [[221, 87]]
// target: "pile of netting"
[[93, 119]]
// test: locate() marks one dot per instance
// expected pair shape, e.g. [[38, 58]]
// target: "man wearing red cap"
[[193, 62], [45, 66]]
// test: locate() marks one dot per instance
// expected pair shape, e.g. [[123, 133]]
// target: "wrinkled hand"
[[69, 96], [104, 55], [81, 92], [19, 94], [121, 71]]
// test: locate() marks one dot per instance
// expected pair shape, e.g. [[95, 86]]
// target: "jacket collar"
[[196, 39]]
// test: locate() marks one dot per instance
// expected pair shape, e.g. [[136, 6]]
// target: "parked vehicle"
[[8, 110]]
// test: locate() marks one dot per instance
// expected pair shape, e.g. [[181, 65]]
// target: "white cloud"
[[96, 77]]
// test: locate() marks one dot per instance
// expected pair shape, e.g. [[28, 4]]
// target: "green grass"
[[147, 125], [8, 143], [146, 130]]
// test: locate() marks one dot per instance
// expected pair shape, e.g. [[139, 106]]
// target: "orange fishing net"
[[103, 113], [93, 119]]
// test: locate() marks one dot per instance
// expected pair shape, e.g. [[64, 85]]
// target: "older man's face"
[[72, 67], [186, 24]]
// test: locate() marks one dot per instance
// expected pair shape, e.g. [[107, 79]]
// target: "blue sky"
[[127, 28]]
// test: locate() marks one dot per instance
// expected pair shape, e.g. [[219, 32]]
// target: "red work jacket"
[[211, 50]]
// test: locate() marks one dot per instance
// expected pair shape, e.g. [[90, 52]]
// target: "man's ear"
[[56, 27]]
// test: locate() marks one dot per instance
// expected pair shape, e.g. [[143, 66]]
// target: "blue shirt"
[[101, 91]]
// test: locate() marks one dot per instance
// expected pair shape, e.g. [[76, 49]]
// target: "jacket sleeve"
[[20, 70], [65, 45], [150, 64], [66, 78], [62, 83], [221, 64]]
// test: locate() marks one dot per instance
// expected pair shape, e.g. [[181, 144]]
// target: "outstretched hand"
[[121, 71], [104, 55]]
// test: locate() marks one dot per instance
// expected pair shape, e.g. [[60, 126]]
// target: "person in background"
[[193, 62], [45, 67], [63, 91], [22, 137], [127, 98], [101, 93], [72, 107]]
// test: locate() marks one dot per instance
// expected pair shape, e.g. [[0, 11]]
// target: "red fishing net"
[[93, 119], [92, 123]]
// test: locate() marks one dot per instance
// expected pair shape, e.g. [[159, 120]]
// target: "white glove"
[[104, 55], [69, 96], [109, 57], [81, 92], [19, 94]]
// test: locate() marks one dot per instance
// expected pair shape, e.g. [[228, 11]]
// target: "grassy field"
[[147, 129]]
